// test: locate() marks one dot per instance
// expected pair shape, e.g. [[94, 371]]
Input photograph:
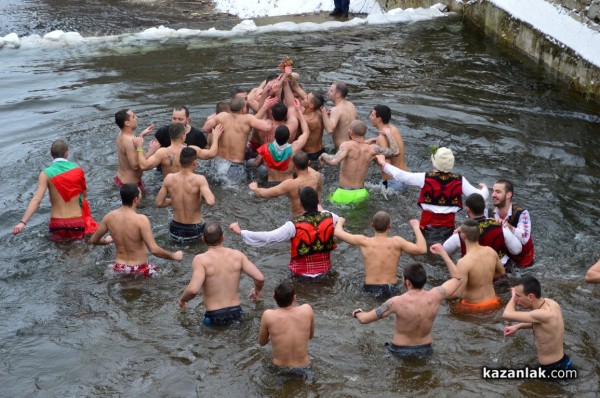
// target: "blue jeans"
[[342, 5]]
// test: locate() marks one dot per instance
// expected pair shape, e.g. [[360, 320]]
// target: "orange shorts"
[[488, 305]]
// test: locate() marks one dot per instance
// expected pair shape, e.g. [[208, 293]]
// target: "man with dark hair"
[[441, 193], [380, 119], [545, 318], [514, 218], [381, 253], [305, 177], [415, 310], [129, 167], [217, 273], [312, 103], [288, 327], [132, 235], [479, 267], [70, 215], [354, 158], [491, 232], [310, 235], [193, 136], [337, 120], [184, 191]]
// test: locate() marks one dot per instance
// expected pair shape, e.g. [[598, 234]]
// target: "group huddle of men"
[[284, 134]]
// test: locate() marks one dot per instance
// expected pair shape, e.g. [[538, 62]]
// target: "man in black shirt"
[[181, 114]]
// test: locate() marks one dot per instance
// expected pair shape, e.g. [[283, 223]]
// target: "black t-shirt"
[[194, 137]]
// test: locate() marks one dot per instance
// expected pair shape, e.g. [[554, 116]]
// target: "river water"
[[69, 328]]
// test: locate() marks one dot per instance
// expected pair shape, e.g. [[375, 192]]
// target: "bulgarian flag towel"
[[69, 180], [275, 156]]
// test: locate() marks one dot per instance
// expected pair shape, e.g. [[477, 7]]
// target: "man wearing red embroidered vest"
[[515, 218], [491, 232], [310, 235], [70, 216], [441, 193]]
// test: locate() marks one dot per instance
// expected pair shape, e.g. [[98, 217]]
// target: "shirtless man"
[[545, 318], [184, 191], [478, 269], [381, 253], [355, 157], [129, 168], [277, 154], [217, 273], [70, 216], [337, 122], [236, 128], [306, 177], [593, 274], [288, 327], [415, 311], [314, 145], [168, 158], [132, 235], [380, 119]]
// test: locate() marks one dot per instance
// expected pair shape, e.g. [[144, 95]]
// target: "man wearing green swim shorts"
[[354, 157]]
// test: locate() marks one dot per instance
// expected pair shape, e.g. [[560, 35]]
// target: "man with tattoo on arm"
[[415, 310]]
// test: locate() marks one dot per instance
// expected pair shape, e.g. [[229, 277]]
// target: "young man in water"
[[132, 235], [193, 136], [288, 328], [545, 318], [184, 191], [217, 273], [381, 253], [415, 310], [70, 216], [337, 120]]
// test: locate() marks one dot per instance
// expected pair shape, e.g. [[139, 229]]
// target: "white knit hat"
[[443, 159]]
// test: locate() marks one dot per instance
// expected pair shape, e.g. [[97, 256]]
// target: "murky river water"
[[67, 328]]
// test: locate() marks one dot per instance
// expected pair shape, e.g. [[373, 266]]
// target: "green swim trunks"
[[342, 196]]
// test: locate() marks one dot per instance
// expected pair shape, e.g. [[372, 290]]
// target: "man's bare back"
[[478, 269], [186, 191]]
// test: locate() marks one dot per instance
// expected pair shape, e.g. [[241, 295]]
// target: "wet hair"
[[212, 234], [182, 108], [471, 230], [284, 293], [121, 117], [341, 88], [237, 104], [317, 99], [187, 156], [300, 160], [59, 149], [384, 112], [476, 203], [358, 127], [176, 130], [237, 90], [129, 192], [279, 112], [508, 186], [222, 106], [309, 199], [530, 285], [381, 221], [271, 77], [282, 134], [416, 274]]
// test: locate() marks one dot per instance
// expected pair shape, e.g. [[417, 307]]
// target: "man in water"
[[479, 267], [184, 191], [415, 310], [441, 193], [593, 274], [132, 235], [355, 157], [129, 167], [193, 136], [312, 114], [545, 318], [514, 218], [380, 119], [381, 253], [217, 273], [288, 327], [305, 177], [70, 216], [310, 235], [337, 120]]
